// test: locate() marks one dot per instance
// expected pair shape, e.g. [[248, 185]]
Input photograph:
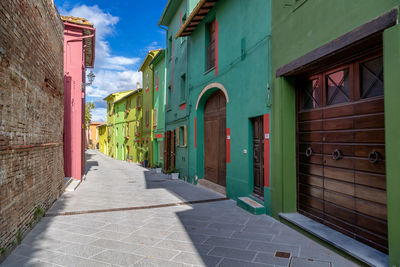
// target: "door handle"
[[374, 156], [309, 152], [337, 154]]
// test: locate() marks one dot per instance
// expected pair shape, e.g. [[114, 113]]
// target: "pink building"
[[79, 41]]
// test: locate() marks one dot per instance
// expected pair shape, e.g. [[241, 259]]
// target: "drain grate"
[[281, 254]]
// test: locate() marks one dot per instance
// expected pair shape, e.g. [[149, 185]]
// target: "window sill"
[[340, 241], [182, 102], [169, 109], [208, 71]]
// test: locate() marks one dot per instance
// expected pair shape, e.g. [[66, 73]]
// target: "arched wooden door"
[[214, 138]]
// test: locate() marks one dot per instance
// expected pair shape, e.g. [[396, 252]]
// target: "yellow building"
[[93, 134], [102, 133]]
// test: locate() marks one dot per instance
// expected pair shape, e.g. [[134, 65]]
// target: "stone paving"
[[216, 233]]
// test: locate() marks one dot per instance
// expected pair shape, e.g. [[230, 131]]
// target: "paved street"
[[128, 232]]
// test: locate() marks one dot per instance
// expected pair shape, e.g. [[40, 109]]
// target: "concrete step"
[[251, 205]]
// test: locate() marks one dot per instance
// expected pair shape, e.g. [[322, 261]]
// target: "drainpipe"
[[93, 30]]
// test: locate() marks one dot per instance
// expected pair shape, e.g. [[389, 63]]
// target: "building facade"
[[112, 120], [102, 130], [158, 65], [177, 91], [93, 134], [79, 37], [228, 66], [148, 102], [31, 115], [334, 127]]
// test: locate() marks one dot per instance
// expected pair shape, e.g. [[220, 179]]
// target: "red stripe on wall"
[[228, 145], [266, 150], [216, 48], [183, 106], [195, 132], [172, 67]]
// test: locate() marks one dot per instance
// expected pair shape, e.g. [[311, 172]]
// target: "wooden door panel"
[[311, 169], [310, 115], [370, 179], [258, 155], [312, 191], [340, 187], [311, 180], [214, 138], [371, 209], [338, 124], [339, 174], [310, 126], [340, 199], [347, 193]]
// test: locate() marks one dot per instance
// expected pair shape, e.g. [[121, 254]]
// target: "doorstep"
[[347, 244], [251, 205], [212, 186]]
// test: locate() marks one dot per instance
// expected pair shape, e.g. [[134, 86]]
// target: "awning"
[[199, 12]]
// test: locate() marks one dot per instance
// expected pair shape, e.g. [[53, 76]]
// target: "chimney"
[[137, 85]]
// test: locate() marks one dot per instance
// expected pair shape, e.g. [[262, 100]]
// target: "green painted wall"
[[147, 106], [158, 65], [103, 139], [119, 135], [391, 61], [177, 91], [133, 120], [243, 43], [299, 27]]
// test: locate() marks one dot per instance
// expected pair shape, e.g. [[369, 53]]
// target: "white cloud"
[[99, 114], [113, 72]]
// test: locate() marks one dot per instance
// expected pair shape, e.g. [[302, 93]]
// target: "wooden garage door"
[[214, 138], [341, 150]]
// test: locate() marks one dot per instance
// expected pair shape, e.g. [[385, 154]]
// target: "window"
[[146, 118], [371, 80], [155, 118], [128, 104], [310, 93], [109, 107], [147, 82], [127, 130], [177, 141], [184, 135], [169, 100], [183, 87], [210, 45], [338, 87], [170, 47], [161, 149], [156, 80], [182, 23], [139, 102]]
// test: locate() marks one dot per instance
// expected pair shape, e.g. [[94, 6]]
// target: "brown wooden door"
[[215, 139], [169, 151], [258, 156], [341, 150]]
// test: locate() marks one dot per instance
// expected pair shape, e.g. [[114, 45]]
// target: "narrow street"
[[130, 231]]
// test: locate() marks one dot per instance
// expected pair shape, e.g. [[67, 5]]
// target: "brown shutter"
[[172, 149], [166, 138], [177, 136], [185, 136]]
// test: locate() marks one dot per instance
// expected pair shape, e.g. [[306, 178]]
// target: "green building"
[[177, 92], [228, 107], [158, 66], [148, 98], [334, 140], [113, 121]]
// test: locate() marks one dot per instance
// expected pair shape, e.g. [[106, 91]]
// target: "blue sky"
[[125, 32]]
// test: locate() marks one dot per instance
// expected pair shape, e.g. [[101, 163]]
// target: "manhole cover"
[[281, 254]]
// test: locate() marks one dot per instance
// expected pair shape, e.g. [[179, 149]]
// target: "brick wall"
[[31, 113]]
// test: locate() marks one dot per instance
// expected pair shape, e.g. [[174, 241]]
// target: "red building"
[[79, 51]]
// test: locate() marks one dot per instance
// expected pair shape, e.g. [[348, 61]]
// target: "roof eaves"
[[148, 56]]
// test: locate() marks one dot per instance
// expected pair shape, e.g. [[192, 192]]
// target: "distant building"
[[159, 70], [79, 54], [93, 134], [148, 111], [102, 130]]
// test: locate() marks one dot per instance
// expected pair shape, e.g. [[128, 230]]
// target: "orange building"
[[93, 134]]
